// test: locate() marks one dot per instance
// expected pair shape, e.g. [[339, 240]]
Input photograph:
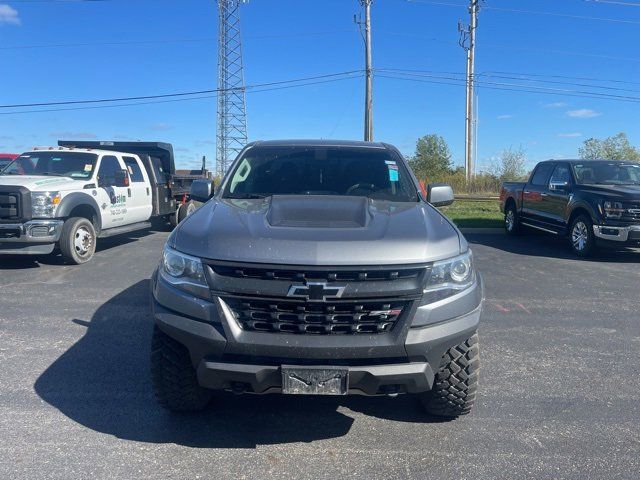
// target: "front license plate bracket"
[[314, 380]]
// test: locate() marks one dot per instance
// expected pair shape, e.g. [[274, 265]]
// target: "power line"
[[569, 77], [544, 51], [174, 100], [530, 12], [614, 2], [510, 87], [168, 41], [518, 76], [180, 94]]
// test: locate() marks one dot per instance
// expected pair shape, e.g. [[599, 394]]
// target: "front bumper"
[[625, 234], [229, 358], [32, 237]]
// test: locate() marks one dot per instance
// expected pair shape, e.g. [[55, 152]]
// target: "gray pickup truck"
[[317, 268]]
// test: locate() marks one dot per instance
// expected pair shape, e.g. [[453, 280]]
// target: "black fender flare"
[[78, 199], [584, 205]]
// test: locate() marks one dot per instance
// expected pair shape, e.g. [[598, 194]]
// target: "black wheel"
[[581, 236], [454, 388], [511, 220], [77, 240], [174, 379], [186, 210]]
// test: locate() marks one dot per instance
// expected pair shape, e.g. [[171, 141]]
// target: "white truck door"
[[140, 200], [113, 200]]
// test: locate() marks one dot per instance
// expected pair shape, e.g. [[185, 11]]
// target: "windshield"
[[611, 173], [4, 161], [77, 165], [369, 172]]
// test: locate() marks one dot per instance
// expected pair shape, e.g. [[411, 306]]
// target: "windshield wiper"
[[247, 196]]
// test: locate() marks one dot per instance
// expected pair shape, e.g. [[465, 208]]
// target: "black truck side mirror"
[[201, 190], [439, 194]]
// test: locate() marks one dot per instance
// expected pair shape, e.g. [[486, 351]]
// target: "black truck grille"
[[631, 212], [9, 206], [337, 318], [337, 275]]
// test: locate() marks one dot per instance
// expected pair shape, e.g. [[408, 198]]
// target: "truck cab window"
[[107, 172], [541, 176], [561, 175], [135, 172]]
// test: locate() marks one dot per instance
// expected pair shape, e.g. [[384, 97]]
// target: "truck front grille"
[[337, 318], [331, 275], [631, 212], [9, 206]]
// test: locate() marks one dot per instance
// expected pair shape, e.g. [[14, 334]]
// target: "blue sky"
[[166, 46]]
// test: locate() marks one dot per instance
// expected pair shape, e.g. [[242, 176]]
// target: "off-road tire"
[[77, 240], [174, 379], [511, 220], [454, 388], [586, 247]]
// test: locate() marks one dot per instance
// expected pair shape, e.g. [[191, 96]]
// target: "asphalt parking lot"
[[558, 399]]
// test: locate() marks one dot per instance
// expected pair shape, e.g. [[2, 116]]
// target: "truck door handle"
[[542, 194], [129, 192], [527, 192]]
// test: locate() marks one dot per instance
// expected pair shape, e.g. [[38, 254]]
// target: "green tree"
[[511, 165], [432, 157], [616, 147]]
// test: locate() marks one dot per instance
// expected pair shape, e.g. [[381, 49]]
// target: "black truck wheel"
[[174, 379], [581, 236], [77, 240], [511, 220], [454, 388]]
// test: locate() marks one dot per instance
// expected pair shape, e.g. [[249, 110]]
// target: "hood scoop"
[[318, 211]]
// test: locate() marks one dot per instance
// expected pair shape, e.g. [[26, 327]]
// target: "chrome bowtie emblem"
[[316, 292]]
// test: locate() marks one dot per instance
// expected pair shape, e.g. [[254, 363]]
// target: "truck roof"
[[71, 149], [319, 143], [583, 160]]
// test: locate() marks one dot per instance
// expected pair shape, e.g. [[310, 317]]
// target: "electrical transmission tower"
[[231, 134]]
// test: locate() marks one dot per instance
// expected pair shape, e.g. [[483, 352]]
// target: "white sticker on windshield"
[[88, 167]]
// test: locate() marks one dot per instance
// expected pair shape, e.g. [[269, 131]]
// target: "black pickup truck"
[[593, 202]]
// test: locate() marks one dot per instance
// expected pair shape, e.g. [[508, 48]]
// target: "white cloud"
[[583, 113], [555, 105], [161, 126], [9, 15], [504, 117], [570, 135]]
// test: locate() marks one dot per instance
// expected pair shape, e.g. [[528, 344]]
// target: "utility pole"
[[468, 43], [368, 97]]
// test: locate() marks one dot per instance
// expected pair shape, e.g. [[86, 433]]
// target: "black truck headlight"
[[182, 269], [449, 277], [612, 209]]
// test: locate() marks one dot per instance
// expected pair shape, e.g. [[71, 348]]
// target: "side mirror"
[[561, 186], [121, 178], [201, 190], [439, 194]]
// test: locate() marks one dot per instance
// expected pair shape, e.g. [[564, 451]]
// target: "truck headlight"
[[182, 269], [44, 204], [449, 277], [612, 209]]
